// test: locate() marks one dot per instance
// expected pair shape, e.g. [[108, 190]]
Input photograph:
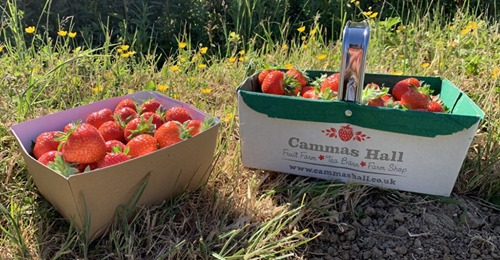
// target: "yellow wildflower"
[[321, 56], [1, 48], [162, 87], [234, 37], [284, 46], [182, 59], [400, 28], [29, 29], [182, 45], [396, 72], [425, 65], [203, 50], [174, 68], [206, 90], [495, 73], [62, 33], [301, 29], [130, 91], [119, 50], [303, 38], [242, 52], [124, 47], [312, 32], [373, 15], [72, 34], [231, 60], [228, 117], [98, 88], [289, 66], [202, 66], [368, 13], [128, 54], [304, 46], [356, 3]]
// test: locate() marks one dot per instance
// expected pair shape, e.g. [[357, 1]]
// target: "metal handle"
[[352, 70]]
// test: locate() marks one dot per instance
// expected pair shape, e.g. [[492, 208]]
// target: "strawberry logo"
[[345, 133]]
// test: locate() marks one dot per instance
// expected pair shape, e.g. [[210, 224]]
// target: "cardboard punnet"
[[334, 140], [90, 199]]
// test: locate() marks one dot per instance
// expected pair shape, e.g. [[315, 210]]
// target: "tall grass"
[[241, 213]]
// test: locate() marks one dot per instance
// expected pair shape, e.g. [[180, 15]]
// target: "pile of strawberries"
[[408, 94], [108, 137]]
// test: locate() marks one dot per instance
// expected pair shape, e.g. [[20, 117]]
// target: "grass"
[[241, 213]]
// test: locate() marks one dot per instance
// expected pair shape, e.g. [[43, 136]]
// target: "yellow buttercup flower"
[[303, 38], [234, 37], [289, 66], [284, 46], [62, 33], [72, 34], [97, 89], [242, 52], [206, 90], [321, 56], [203, 50], [312, 32], [130, 91], [301, 29], [373, 15], [29, 29], [231, 60], [425, 65], [304, 46], [182, 59], [1, 48], [495, 73], [182, 45], [228, 117], [162, 87], [400, 28], [124, 47], [174, 68], [202, 66]]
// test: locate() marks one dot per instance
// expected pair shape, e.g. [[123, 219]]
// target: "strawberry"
[[177, 113], [169, 134], [273, 83], [346, 133], [83, 144], [112, 159], [139, 126], [141, 145], [372, 95], [330, 82], [298, 76], [403, 86], [435, 106], [99, 117], [262, 75], [414, 99], [126, 103], [48, 157], [45, 142], [124, 115], [111, 130], [194, 126], [150, 105], [114, 143], [157, 119], [59, 165], [309, 92]]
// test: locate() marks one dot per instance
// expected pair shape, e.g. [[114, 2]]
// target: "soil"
[[410, 226]]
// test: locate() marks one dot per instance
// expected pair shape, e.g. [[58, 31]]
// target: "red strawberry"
[[403, 86], [112, 159], [150, 105], [331, 82], [435, 106], [309, 92], [99, 117], [273, 83], [346, 133], [48, 157], [141, 145], [169, 134], [45, 142], [157, 119], [138, 126], [126, 103], [177, 113], [372, 95], [83, 144], [111, 130], [68, 126], [125, 114], [114, 143], [194, 127], [415, 100], [263, 74], [298, 76]]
